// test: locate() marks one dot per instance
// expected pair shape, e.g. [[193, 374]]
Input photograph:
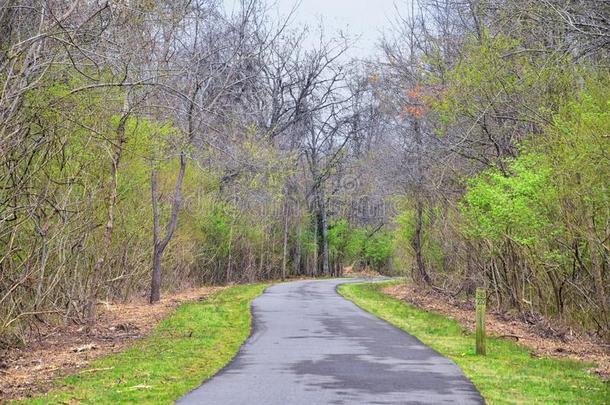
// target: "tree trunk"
[[313, 267], [228, 279], [285, 242], [155, 288], [98, 268], [155, 285], [325, 266], [159, 244], [595, 250], [421, 274], [261, 258], [297, 264]]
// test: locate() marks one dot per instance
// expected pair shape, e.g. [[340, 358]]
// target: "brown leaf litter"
[[365, 272], [59, 351], [541, 337]]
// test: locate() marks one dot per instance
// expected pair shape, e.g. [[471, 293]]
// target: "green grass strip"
[[185, 349], [509, 374]]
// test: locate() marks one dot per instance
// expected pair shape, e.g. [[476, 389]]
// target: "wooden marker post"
[[481, 299]]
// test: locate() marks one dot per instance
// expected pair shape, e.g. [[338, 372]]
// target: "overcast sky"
[[362, 19]]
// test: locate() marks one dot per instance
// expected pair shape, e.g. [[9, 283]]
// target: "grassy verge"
[[188, 347], [507, 375]]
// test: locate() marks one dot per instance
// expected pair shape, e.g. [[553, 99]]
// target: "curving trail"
[[311, 346]]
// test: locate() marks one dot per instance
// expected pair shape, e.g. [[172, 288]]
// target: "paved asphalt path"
[[311, 346]]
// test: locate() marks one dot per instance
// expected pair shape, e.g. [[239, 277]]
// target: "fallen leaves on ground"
[[59, 351], [365, 272]]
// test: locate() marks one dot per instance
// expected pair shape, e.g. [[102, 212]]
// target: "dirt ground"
[[65, 350], [542, 338]]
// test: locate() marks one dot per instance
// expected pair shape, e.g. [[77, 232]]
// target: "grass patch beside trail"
[[188, 347], [507, 375]]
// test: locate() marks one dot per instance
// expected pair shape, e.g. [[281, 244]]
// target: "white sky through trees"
[[359, 19]]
